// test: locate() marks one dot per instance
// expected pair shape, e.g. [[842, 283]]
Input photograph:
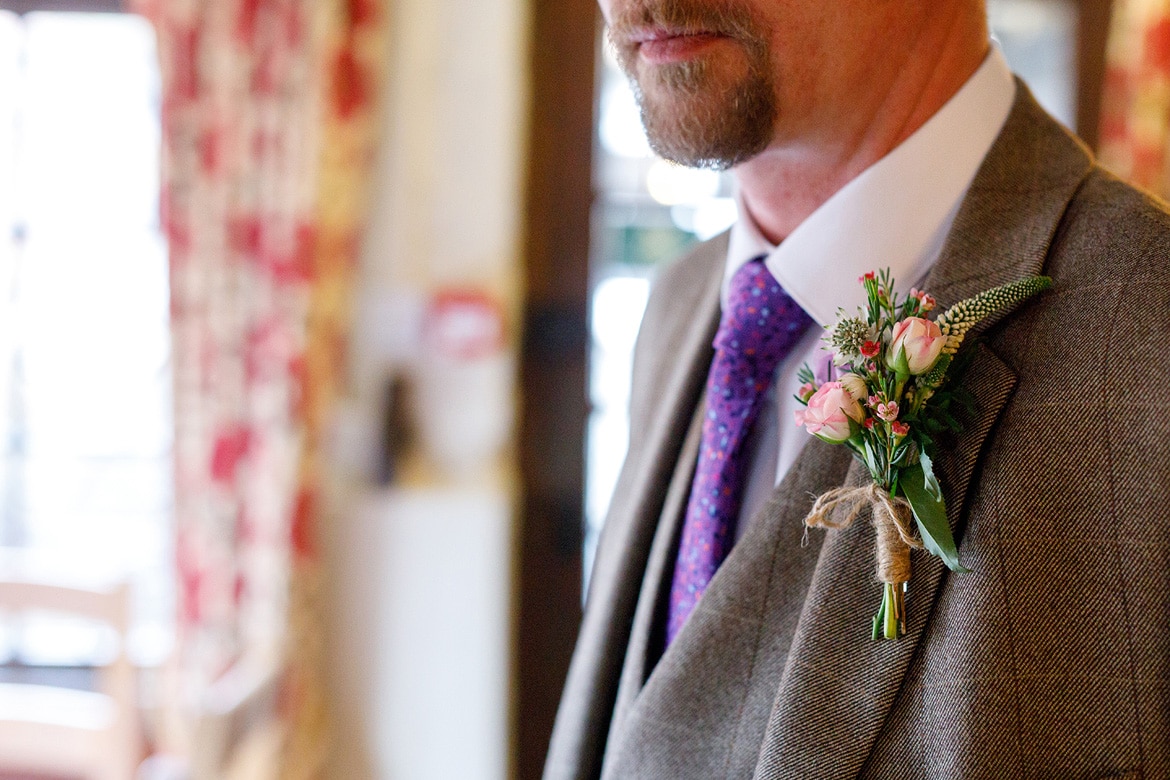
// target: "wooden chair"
[[239, 734], [63, 732]]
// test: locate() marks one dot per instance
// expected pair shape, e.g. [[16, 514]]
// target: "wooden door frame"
[[1093, 20], [553, 365]]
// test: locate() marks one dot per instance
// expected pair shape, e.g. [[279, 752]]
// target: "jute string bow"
[[894, 522], [892, 519]]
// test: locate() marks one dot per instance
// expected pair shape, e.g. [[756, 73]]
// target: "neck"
[[792, 178]]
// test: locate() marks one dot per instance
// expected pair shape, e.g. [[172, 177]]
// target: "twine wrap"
[[892, 519]]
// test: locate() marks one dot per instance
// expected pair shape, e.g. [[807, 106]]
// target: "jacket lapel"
[[838, 685], [672, 370], [704, 707], [643, 634]]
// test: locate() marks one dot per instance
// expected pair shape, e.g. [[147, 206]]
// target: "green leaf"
[[930, 514], [899, 454], [871, 459], [931, 482], [805, 375]]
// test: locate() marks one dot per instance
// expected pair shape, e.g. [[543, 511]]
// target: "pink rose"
[[829, 413], [920, 339]]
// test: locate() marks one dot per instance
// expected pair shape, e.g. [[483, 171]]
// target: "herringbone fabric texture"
[[760, 325], [1050, 659]]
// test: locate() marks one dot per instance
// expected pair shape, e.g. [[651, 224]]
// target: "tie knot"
[[761, 322]]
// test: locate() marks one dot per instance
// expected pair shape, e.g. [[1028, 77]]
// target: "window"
[[85, 399]]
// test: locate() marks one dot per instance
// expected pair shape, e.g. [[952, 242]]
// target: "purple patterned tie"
[[760, 325]]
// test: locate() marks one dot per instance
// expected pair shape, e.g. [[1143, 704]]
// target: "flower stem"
[[891, 627], [890, 620]]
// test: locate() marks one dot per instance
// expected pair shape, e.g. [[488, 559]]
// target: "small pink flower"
[[806, 391], [900, 429], [925, 300], [868, 424], [870, 349], [888, 412], [829, 412], [869, 276], [920, 340]]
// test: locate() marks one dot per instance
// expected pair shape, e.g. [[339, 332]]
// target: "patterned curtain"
[[1135, 116], [268, 133]]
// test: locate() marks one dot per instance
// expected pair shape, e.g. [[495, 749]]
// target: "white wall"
[[424, 637]]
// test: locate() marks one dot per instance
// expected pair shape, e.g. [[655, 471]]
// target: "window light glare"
[[672, 184], [713, 216], [620, 129], [618, 303]]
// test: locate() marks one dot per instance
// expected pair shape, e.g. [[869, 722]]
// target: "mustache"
[[726, 18]]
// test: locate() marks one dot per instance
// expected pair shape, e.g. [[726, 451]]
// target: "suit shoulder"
[[1103, 322], [1113, 233]]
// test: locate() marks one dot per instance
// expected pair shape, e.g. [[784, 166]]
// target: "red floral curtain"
[[1135, 122], [268, 130]]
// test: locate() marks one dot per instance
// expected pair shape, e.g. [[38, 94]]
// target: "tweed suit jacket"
[[1050, 659]]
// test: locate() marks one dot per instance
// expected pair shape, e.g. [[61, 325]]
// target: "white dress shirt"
[[896, 214]]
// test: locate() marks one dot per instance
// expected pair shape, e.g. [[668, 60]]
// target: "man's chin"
[[713, 111], [700, 130], [712, 158]]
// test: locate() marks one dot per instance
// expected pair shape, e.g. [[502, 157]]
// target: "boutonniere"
[[888, 404]]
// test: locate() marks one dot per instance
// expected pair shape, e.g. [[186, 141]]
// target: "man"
[[866, 135]]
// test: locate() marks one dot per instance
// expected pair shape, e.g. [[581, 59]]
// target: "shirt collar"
[[895, 214]]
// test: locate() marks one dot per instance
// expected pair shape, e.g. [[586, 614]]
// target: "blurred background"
[[316, 319]]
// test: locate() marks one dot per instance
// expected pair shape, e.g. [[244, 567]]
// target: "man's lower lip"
[[676, 48]]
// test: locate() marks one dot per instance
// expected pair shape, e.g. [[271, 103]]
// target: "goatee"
[[693, 115]]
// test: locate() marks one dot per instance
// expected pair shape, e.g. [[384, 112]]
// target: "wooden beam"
[[553, 365], [1092, 35]]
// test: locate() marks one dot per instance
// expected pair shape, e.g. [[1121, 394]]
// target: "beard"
[[694, 114]]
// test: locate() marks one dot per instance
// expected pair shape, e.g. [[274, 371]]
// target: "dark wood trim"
[[85, 6], [553, 365], [1092, 35]]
